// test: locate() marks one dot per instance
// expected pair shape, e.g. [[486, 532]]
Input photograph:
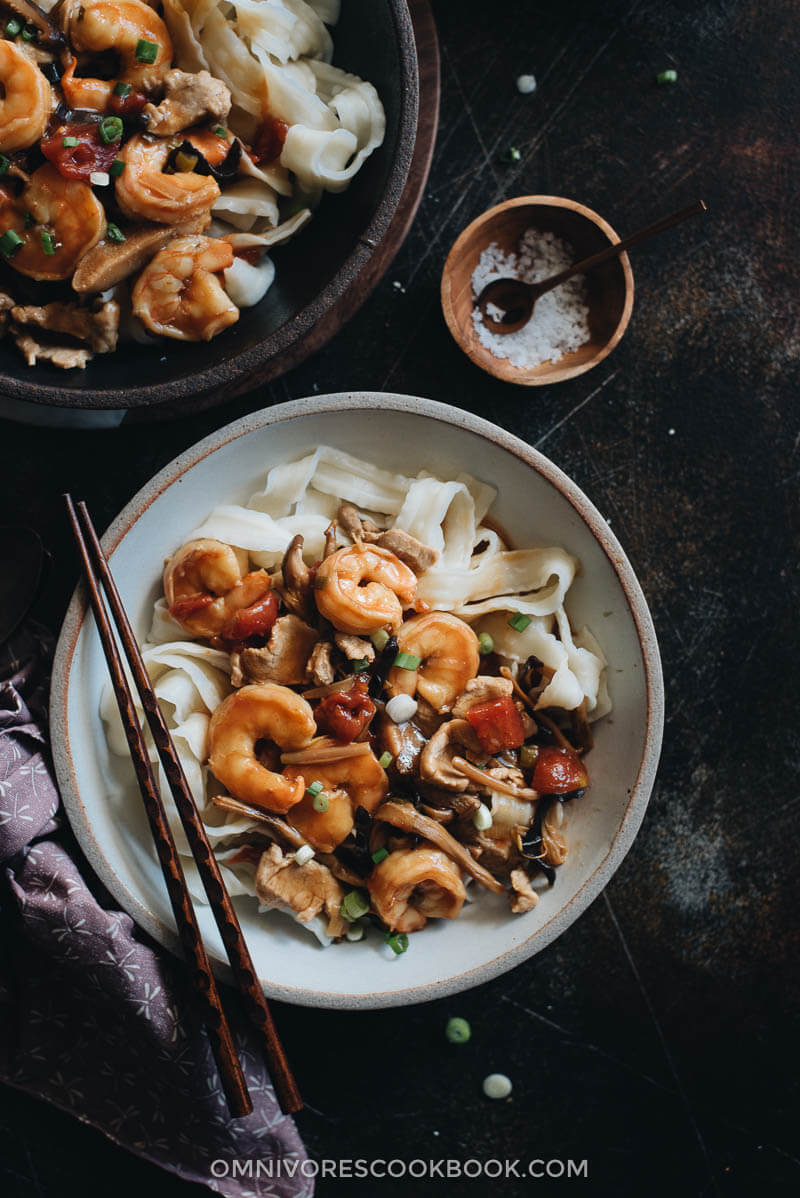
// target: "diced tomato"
[[126, 105], [183, 608], [255, 620], [269, 140], [345, 714], [80, 161], [558, 771], [497, 724]]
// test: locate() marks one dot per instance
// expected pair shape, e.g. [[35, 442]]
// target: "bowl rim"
[[345, 402], [242, 371], [504, 370]]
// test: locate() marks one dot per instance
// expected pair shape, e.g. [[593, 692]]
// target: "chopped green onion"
[[4, 164], [30, 33], [48, 243], [385, 760], [304, 854], [397, 941], [360, 665], [114, 233], [528, 756], [10, 243], [122, 89], [380, 855], [321, 802], [13, 27], [519, 622], [485, 643], [110, 129], [314, 789], [512, 154], [667, 77], [407, 661], [28, 220], [146, 51], [354, 905], [356, 933], [220, 132], [69, 143], [116, 168], [380, 639], [457, 1030]]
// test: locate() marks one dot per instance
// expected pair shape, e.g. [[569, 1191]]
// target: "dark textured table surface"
[[654, 1038]]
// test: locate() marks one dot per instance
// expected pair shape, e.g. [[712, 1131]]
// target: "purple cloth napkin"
[[93, 1017]]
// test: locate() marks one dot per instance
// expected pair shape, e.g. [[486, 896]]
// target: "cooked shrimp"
[[363, 588], [65, 210], [206, 582], [409, 887], [349, 783], [144, 191], [262, 713], [95, 26], [179, 293], [323, 830], [25, 99], [449, 657]]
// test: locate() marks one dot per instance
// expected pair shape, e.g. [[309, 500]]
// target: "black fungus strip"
[[381, 667], [563, 798], [532, 845], [76, 116], [405, 787], [548, 871], [51, 72], [354, 851], [530, 675], [227, 169]]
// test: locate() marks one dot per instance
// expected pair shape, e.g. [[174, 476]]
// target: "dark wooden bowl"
[[609, 287], [374, 39]]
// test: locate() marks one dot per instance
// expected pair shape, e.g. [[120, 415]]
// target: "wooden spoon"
[[516, 299]]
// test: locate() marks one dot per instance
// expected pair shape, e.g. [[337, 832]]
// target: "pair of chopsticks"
[[98, 574]]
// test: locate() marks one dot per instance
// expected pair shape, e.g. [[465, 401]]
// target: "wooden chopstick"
[[230, 1070], [238, 954]]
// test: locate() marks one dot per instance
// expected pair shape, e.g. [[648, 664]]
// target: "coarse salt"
[[560, 321]]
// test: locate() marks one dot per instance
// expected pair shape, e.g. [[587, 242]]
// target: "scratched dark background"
[[654, 1039]]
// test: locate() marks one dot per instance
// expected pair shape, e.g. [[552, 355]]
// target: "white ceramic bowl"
[[537, 504]]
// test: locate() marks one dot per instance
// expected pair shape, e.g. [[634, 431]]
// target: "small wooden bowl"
[[609, 287]]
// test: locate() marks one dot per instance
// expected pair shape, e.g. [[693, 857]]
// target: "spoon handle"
[[627, 243]]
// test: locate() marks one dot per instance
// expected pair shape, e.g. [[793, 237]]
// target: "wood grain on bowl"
[[609, 287]]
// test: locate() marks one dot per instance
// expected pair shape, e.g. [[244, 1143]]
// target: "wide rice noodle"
[[275, 57], [476, 577]]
